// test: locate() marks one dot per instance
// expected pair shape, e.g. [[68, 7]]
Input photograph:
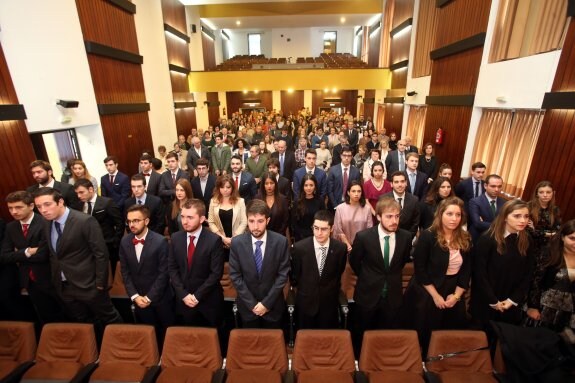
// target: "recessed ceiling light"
[[238, 22], [342, 19]]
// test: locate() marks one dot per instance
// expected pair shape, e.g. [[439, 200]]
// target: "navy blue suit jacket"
[[421, 185], [209, 191], [119, 192], [149, 277], [335, 183], [481, 215], [392, 163], [465, 189], [320, 176], [247, 187], [267, 288], [157, 217]]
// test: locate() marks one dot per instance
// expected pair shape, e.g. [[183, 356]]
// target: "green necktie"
[[493, 208], [385, 262]]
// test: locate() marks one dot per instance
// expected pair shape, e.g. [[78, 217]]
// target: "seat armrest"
[[18, 372], [343, 300], [290, 299], [360, 377], [431, 377], [152, 374], [219, 376], [84, 373], [289, 377]]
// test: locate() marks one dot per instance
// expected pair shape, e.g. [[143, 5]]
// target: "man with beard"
[[44, 177]]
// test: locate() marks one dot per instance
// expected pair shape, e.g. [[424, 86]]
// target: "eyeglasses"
[[134, 221], [321, 229]]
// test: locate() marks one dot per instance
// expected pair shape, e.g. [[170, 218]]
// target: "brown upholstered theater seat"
[[468, 367], [118, 290], [391, 356], [256, 355], [190, 355], [17, 349], [348, 282], [66, 351], [128, 354], [323, 356], [230, 292]]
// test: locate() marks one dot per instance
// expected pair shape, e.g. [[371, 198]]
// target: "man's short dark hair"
[[324, 216], [171, 155], [257, 206], [139, 177], [272, 161], [141, 208], [55, 194], [42, 164], [492, 176], [194, 203], [111, 158], [83, 182], [310, 151], [202, 162], [399, 174], [219, 135], [411, 154], [20, 195], [235, 157], [346, 148], [157, 163], [478, 165], [146, 157]]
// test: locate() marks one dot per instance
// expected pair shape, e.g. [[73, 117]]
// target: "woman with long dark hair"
[[376, 185], [183, 190], [442, 263], [552, 295], [278, 204], [544, 215], [308, 203], [439, 190], [352, 216], [503, 267]]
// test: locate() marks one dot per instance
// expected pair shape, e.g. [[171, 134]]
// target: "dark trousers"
[[49, 307], [193, 316], [325, 318], [89, 307], [160, 315], [260, 322], [381, 316]]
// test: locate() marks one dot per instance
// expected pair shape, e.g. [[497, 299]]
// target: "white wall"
[[202, 117], [299, 44], [345, 37], [157, 84], [239, 41], [196, 51], [44, 48]]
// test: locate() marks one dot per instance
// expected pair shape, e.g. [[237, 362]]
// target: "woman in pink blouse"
[[377, 185], [352, 216]]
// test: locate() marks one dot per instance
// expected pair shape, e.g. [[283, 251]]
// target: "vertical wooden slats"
[[393, 118], [426, 30], [349, 100], [374, 46], [460, 19], [368, 108], [403, 10], [209, 51], [292, 102], [213, 111], [565, 75], [235, 100], [456, 74]]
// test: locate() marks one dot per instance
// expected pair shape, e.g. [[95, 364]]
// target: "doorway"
[[56, 147]]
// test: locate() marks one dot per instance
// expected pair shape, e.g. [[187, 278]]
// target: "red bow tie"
[[135, 241]]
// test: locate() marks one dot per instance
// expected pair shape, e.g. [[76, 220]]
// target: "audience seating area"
[[329, 61], [67, 352]]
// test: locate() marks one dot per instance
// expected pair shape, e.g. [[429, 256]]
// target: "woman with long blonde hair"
[[79, 171]]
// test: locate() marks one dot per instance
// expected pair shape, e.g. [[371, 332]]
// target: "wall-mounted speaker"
[[193, 28]]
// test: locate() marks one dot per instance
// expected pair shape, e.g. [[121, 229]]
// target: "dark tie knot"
[[135, 241], [146, 174]]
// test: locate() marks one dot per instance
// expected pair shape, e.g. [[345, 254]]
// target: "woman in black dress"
[[503, 267], [545, 217], [308, 203], [442, 263], [278, 204], [440, 189], [428, 162]]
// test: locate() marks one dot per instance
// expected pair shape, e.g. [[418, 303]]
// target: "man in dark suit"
[[196, 152], [153, 203], [416, 180], [260, 278], [320, 176], [25, 247], [473, 186], [336, 155], [144, 263], [395, 160], [339, 177], [168, 179], [408, 147], [409, 217], [196, 265], [284, 185], [78, 259], [106, 213], [373, 143], [317, 265], [44, 177], [287, 164], [244, 181], [203, 185], [377, 258], [115, 184], [484, 209], [152, 177], [352, 136]]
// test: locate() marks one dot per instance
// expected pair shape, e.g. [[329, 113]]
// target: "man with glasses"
[[340, 176], [317, 265], [144, 263]]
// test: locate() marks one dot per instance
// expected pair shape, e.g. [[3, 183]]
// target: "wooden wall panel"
[[368, 108], [553, 159], [292, 102], [348, 100], [107, 24], [456, 74], [425, 39], [454, 120], [399, 50], [174, 14], [565, 75], [126, 136], [208, 47], [403, 10], [16, 151], [235, 100], [116, 81], [374, 47], [177, 51], [399, 79], [186, 121], [213, 111], [393, 118], [460, 19]]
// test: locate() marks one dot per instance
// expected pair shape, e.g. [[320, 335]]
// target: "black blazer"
[[119, 192], [421, 185], [157, 217], [149, 277], [15, 244], [153, 185], [203, 277], [430, 262], [392, 163], [167, 191], [289, 163], [366, 260], [82, 255], [251, 288], [193, 157], [109, 218], [207, 196], [466, 191], [409, 216], [248, 187], [315, 293], [67, 191]]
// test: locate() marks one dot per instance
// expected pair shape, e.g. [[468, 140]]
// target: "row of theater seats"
[[332, 60], [129, 353]]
